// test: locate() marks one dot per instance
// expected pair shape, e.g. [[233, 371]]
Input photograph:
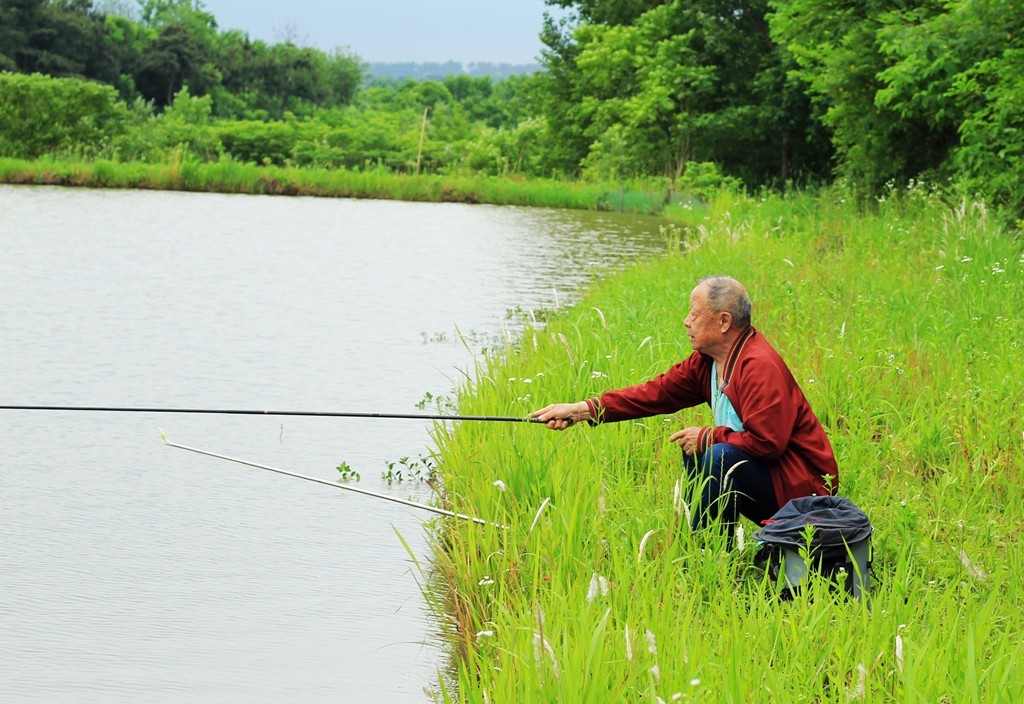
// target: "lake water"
[[130, 571]]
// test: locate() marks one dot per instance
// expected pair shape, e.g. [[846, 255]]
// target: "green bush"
[[264, 142], [42, 115]]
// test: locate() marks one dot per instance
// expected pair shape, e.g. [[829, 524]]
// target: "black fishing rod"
[[244, 412]]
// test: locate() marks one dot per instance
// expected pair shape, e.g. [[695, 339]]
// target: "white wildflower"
[[541, 644], [677, 696], [964, 259], [972, 568], [899, 652], [484, 634], [594, 587], [485, 581], [643, 544], [598, 375], [629, 646], [527, 381], [539, 511], [740, 538], [858, 691], [652, 646], [643, 342], [694, 682], [498, 483], [656, 671]]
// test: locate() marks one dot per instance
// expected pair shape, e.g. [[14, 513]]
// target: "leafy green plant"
[[423, 469], [347, 473]]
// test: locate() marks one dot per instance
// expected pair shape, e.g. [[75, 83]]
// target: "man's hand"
[[686, 438], [559, 416]]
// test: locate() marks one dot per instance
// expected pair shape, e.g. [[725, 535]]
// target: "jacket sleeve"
[[682, 386]]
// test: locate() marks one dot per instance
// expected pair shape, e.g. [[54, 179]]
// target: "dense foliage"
[[770, 91], [898, 324]]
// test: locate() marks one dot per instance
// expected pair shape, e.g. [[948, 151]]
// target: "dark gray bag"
[[839, 547]]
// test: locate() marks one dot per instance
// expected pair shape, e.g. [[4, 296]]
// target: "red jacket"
[[779, 427]]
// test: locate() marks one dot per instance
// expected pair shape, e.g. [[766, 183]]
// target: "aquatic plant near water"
[[347, 473]]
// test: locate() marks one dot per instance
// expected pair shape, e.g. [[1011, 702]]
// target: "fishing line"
[[346, 487]]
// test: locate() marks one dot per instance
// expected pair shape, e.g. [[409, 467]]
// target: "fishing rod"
[[243, 412], [346, 487]]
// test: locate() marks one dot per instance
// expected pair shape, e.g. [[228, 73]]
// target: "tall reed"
[[902, 323]]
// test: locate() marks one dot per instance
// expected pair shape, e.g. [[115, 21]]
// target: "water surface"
[[130, 571]]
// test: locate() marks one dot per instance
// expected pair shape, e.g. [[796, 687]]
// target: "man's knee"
[[721, 459]]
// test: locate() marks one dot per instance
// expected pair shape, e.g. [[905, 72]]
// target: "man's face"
[[702, 325]]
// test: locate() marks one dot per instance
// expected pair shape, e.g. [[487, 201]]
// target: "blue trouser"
[[731, 483]]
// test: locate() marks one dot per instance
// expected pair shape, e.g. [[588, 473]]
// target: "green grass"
[[228, 176], [903, 326]]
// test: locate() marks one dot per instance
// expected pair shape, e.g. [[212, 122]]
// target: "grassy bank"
[[228, 176], [904, 328]]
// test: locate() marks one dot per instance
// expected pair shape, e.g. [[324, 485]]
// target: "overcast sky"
[[494, 31]]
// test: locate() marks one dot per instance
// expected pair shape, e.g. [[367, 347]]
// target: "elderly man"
[[765, 446]]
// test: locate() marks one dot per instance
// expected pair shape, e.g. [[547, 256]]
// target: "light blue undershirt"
[[721, 406]]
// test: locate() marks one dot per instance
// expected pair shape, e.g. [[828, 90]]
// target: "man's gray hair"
[[726, 294]]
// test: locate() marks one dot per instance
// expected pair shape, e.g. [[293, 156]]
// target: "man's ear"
[[725, 321]]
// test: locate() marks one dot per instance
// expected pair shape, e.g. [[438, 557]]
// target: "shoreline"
[[232, 177], [598, 591]]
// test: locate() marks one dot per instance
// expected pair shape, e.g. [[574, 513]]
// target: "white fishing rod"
[[346, 487]]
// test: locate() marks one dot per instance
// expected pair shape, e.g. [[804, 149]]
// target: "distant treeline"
[[772, 92], [436, 71], [153, 50]]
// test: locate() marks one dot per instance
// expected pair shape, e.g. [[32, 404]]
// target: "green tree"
[[673, 82], [175, 59], [56, 37], [959, 71], [837, 46]]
